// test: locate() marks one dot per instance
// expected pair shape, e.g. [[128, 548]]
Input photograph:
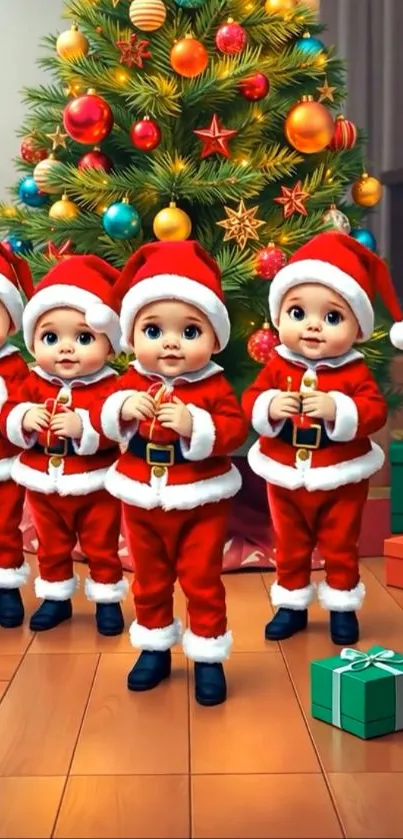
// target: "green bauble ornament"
[[189, 4]]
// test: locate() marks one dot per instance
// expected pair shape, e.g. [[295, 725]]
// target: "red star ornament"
[[61, 252], [133, 51], [292, 200], [215, 138]]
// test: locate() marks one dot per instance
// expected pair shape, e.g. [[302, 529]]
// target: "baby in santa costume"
[[14, 276], [180, 420], [72, 328], [315, 406]]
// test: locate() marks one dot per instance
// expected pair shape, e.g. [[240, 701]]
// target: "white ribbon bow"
[[360, 660]]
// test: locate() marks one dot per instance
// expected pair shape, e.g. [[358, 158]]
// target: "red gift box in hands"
[[47, 438], [151, 429]]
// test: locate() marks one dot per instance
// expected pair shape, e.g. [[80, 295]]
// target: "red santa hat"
[[15, 276], [172, 271], [80, 282], [349, 268]]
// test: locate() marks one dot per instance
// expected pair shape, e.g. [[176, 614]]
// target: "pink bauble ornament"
[[231, 38], [95, 159], [254, 87], [261, 344], [268, 261]]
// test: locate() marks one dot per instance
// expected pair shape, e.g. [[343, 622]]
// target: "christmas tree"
[[216, 119]]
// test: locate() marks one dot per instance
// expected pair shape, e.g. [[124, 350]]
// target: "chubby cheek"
[[341, 338], [198, 353], [289, 332], [44, 354], [145, 350]]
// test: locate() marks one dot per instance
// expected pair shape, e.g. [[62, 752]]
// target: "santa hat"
[[79, 282], [349, 268], [15, 276], [172, 271]]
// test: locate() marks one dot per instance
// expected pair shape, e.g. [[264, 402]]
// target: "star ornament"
[[326, 92], [61, 252], [133, 51], [215, 138], [292, 200], [241, 225], [58, 138]]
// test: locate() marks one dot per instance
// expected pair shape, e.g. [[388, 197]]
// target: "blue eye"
[[296, 313], [191, 332], [85, 338], [152, 332], [333, 318], [49, 338]]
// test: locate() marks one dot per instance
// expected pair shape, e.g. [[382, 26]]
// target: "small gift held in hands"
[[151, 429], [47, 438], [360, 692]]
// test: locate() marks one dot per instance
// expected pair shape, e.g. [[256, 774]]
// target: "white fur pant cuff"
[[14, 577], [207, 650], [155, 640], [106, 592], [60, 590], [297, 599], [336, 600]]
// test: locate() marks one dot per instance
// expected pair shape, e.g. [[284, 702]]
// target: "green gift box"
[[360, 692], [396, 485]]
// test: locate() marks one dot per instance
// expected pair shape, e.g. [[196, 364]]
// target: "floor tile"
[[259, 729], [3, 688], [370, 804], [28, 807], [376, 566], [41, 713], [134, 733], [140, 807], [248, 612], [262, 807], [8, 666]]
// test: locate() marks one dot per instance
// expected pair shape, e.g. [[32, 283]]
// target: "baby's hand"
[[320, 406], [36, 418], [139, 406], [176, 415], [284, 405], [67, 424]]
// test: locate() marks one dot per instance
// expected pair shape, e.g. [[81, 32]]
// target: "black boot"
[[109, 618], [150, 669], [50, 614], [11, 608], [286, 622], [210, 684], [344, 628]]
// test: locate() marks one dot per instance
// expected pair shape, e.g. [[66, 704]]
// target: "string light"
[[121, 77]]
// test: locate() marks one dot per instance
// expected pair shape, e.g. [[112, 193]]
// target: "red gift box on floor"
[[393, 553]]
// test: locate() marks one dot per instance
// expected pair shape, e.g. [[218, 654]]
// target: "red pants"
[[330, 520], [13, 571], [94, 519], [186, 545]]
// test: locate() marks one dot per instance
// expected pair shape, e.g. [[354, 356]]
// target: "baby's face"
[[172, 338], [65, 346], [316, 322]]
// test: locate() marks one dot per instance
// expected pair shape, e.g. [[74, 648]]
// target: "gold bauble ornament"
[[72, 44], [41, 174], [101, 208], [367, 191], [309, 126], [279, 7], [147, 15], [63, 210], [172, 224]]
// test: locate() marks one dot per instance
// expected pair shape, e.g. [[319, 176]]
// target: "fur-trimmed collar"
[[103, 373], [315, 364], [8, 349], [196, 376]]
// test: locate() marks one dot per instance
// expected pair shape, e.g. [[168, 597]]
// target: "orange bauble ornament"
[[189, 57], [309, 126], [367, 191]]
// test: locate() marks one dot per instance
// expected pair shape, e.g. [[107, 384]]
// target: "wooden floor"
[[81, 757]]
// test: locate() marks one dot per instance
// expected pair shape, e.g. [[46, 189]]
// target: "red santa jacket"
[[186, 473], [13, 371], [80, 470], [338, 453]]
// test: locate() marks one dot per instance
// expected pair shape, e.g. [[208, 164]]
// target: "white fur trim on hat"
[[11, 299], [396, 335], [98, 316], [323, 273], [174, 287]]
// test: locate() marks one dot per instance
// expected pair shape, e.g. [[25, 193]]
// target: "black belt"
[[154, 454], [305, 438], [64, 448]]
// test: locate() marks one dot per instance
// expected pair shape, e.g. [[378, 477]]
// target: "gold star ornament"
[[115, 3], [326, 92], [241, 225], [58, 138]]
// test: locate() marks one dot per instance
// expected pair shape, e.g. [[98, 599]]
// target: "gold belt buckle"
[[152, 447], [63, 453], [300, 444]]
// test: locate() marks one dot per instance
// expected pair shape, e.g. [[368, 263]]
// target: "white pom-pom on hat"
[[396, 335], [99, 317]]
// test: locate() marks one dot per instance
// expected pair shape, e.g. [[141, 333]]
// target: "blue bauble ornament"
[[121, 220], [189, 4], [310, 46], [19, 246], [363, 235], [30, 195]]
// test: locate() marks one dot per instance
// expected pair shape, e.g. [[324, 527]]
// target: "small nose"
[[314, 323], [66, 346], [171, 340]]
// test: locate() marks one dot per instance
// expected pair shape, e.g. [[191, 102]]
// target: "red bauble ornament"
[[345, 135], [95, 159], [31, 152], [268, 262], [261, 344], [88, 119], [231, 38], [145, 134], [254, 87]]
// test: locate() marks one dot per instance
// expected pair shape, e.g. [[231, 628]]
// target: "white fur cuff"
[[345, 425], [155, 639], [61, 590], [14, 430], [206, 650], [14, 577], [260, 415], [110, 418], [297, 599], [337, 600], [106, 592], [201, 443], [89, 441]]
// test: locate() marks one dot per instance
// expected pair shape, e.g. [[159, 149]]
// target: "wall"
[[23, 24]]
